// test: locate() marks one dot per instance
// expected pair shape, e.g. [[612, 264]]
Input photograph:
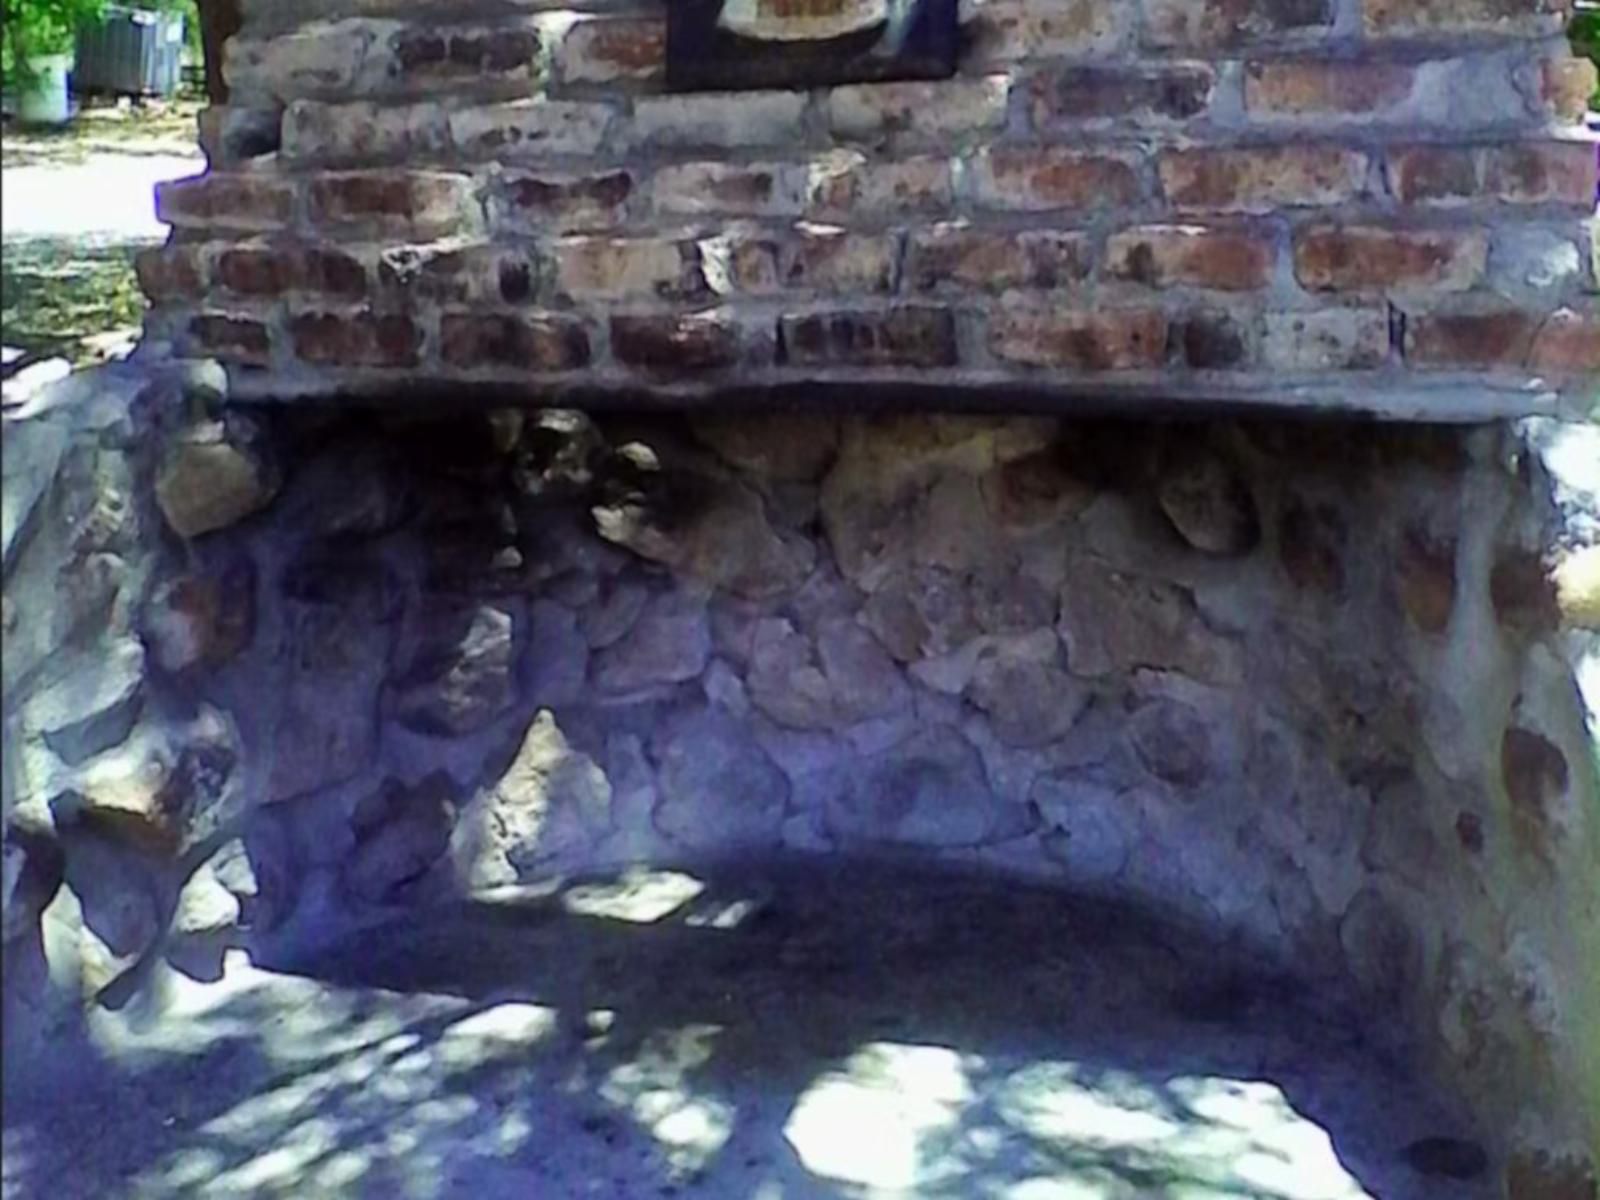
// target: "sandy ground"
[[107, 197], [792, 1033]]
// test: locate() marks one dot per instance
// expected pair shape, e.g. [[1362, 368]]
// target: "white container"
[[43, 100]]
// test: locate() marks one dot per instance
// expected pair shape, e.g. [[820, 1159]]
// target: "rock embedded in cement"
[[718, 787], [219, 473], [94, 706], [1209, 505], [464, 677]]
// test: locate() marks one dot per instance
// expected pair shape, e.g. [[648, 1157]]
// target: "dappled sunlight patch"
[[501, 1031], [1052, 1101], [641, 897], [868, 1122], [655, 1090]]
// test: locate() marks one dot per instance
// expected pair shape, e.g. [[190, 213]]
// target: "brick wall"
[[1373, 204]]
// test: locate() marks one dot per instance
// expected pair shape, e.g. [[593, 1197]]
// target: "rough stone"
[[218, 474], [550, 803], [558, 655], [785, 680], [1029, 703], [1209, 505], [1173, 742], [400, 832], [670, 643], [718, 787], [463, 677], [201, 617], [93, 706], [1115, 622]]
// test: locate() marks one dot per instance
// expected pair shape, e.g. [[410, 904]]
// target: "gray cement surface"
[[790, 1032]]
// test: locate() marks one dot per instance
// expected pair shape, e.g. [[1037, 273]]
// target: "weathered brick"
[[527, 343], [1563, 87], [996, 261], [1261, 179], [1105, 340], [1192, 255], [1040, 179], [1407, 18], [897, 337], [169, 273], [743, 262], [325, 59], [411, 203], [1353, 259], [837, 260], [676, 341], [432, 55], [621, 268], [561, 203], [1072, 94], [1007, 30], [232, 338], [1543, 173], [234, 134], [768, 118], [364, 130], [240, 201], [1472, 339], [1215, 340], [452, 273], [359, 340], [848, 184], [524, 128], [610, 50], [1294, 88], [1210, 24], [1326, 339], [1568, 343], [272, 271], [1433, 174], [933, 110], [739, 189]]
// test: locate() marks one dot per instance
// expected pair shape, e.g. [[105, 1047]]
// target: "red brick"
[[623, 268], [1258, 180], [1196, 256], [413, 203], [470, 340], [1210, 24], [231, 338], [272, 271], [1568, 343], [1214, 340], [226, 201], [1072, 94], [837, 260], [170, 273], [563, 203], [1406, 18], [1433, 175], [605, 51], [995, 261], [1351, 259], [453, 274], [899, 337], [1027, 179], [1476, 340], [740, 189], [362, 340], [1542, 173], [848, 184], [433, 55], [675, 341], [1105, 340], [1007, 30], [1297, 88]]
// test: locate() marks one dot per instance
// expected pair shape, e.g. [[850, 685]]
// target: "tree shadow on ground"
[[770, 1032]]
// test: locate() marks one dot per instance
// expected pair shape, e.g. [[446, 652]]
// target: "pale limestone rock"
[[217, 475], [464, 677], [93, 706]]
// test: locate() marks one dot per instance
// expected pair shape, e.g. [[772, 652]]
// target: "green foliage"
[[1585, 33], [31, 28]]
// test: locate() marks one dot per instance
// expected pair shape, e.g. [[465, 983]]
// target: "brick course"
[[1161, 189]]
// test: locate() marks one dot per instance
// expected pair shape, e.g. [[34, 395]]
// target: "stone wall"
[[1309, 687], [1353, 204]]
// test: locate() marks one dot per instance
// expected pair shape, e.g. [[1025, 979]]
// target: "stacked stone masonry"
[[1354, 203]]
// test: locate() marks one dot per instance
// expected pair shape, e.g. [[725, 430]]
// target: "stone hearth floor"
[[782, 1033]]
